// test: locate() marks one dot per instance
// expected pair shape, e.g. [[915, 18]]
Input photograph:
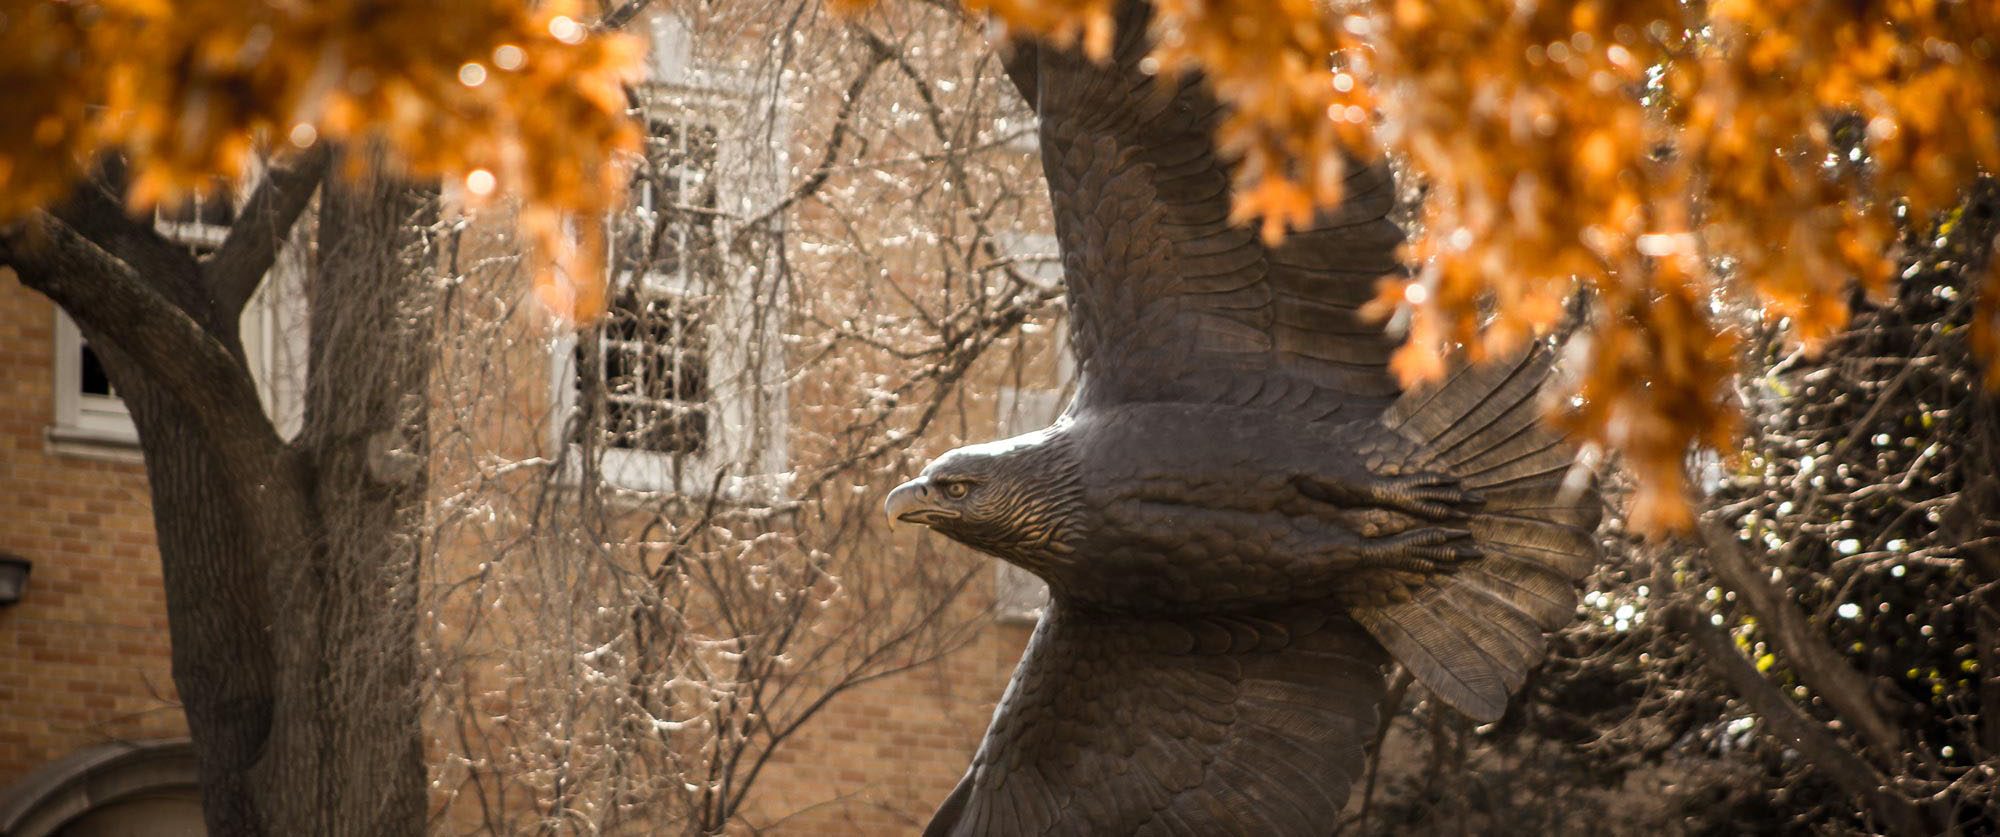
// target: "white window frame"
[[100, 426], [746, 427], [81, 416]]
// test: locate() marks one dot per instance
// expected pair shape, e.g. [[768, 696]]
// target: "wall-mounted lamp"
[[13, 577]]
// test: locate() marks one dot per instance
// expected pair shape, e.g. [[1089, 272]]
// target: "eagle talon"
[[1432, 495], [1437, 547]]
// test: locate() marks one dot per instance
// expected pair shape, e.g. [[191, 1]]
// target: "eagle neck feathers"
[[1045, 513]]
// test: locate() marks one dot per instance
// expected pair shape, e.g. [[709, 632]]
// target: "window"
[[643, 376], [669, 390], [653, 365], [91, 418], [669, 232], [88, 409], [652, 372]]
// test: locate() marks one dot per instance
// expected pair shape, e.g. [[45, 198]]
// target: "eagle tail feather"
[[1471, 636], [1432, 646]]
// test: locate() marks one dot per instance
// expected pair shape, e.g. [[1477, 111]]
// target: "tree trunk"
[[346, 753], [289, 567]]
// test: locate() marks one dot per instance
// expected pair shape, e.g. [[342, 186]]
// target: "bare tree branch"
[[684, 641], [843, 128], [96, 211], [1390, 707], [623, 14], [1818, 665], [1822, 750], [1963, 522], [239, 266]]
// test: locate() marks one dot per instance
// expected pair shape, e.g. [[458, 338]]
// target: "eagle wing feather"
[[1142, 204], [1197, 725]]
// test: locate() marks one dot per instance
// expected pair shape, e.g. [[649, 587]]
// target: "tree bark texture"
[[288, 566], [346, 754]]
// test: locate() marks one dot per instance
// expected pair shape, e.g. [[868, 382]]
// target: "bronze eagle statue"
[[1241, 516]]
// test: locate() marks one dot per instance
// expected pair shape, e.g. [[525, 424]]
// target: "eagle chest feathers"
[[1242, 517], [1204, 507], [1221, 508]]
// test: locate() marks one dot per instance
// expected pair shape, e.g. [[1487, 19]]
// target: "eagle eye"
[[956, 490]]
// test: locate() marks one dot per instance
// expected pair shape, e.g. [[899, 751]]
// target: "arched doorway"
[[139, 788]]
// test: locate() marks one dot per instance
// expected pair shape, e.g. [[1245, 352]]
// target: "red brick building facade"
[[84, 653], [86, 689], [89, 722]]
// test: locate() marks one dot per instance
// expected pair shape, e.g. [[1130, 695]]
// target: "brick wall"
[[84, 658], [881, 758], [84, 655]]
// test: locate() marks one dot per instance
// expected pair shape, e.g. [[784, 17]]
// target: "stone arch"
[[129, 787]]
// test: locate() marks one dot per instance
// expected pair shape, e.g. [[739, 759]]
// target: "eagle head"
[[1017, 498]]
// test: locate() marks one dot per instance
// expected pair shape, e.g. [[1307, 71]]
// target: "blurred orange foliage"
[[1680, 161], [497, 94]]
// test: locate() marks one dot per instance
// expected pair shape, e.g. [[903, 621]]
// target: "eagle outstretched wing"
[[1195, 725], [1168, 300], [1125, 720]]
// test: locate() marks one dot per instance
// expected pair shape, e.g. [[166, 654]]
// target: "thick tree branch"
[[1822, 750], [97, 212], [111, 302], [235, 271], [1816, 663]]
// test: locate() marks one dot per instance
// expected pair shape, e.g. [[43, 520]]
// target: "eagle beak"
[[912, 502]]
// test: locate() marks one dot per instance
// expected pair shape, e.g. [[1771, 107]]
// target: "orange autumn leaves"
[[1678, 162], [1681, 162], [1679, 165], [496, 94]]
